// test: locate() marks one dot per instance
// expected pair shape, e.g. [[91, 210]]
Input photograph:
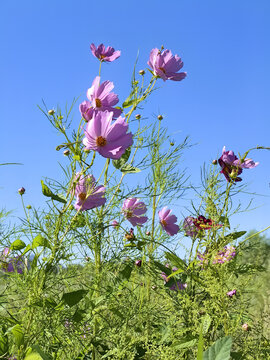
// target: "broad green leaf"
[[179, 271], [220, 350], [123, 159], [17, 245], [33, 356], [39, 240], [40, 352], [47, 192], [28, 247], [17, 334], [234, 235], [200, 345], [206, 322], [129, 169], [126, 272], [175, 260], [72, 298]]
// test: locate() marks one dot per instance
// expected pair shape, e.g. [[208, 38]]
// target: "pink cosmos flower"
[[226, 255], [231, 166], [165, 65], [115, 223], [245, 327], [231, 293], [100, 99], [110, 140], [189, 227], [105, 54], [133, 210], [168, 221], [88, 195]]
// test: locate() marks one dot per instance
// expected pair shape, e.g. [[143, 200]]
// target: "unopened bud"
[[148, 233], [115, 224], [141, 72], [138, 116], [21, 190], [29, 207], [87, 258], [51, 112], [245, 327], [154, 287], [172, 143], [160, 117], [214, 162], [87, 151], [66, 152], [138, 263]]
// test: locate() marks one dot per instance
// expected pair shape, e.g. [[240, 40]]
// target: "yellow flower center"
[[82, 196], [98, 103], [129, 214], [101, 141]]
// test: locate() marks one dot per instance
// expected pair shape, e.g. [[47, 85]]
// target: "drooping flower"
[[189, 227], [110, 140], [133, 210], [231, 293], [165, 65], [168, 221], [138, 263], [231, 166], [88, 195], [100, 99], [105, 54]]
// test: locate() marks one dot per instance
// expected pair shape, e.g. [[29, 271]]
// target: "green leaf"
[[40, 352], [17, 245], [126, 272], [200, 345], [129, 169], [28, 247], [47, 192], [72, 298], [179, 271], [175, 260], [129, 100], [39, 240], [17, 334], [3, 344], [220, 350], [185, 343], [123, 159], [206, 322], [33, 356], [234, 235]]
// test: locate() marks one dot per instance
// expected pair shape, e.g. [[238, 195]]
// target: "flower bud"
[[172, 143], [154, 287], [138, 263], [141, 72], [148, 233], [87, 258], [160, 117], [21, 190], [87, 151], [245, 327], [214, 162], [115, 223], [66, 152], [138, 116], [29, 207], [51, 112]]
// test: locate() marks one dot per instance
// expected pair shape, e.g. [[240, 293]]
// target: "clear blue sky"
[[223, 101]]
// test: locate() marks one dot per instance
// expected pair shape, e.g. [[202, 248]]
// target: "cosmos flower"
[[133, 210], [231, 166], [178, 286], [165, 65], [14, 264], [189, 227], [138, 263], [168, 221], [109, 140], [88, 195], [105, 54], [226, 255], [231, 293], [100, 99]]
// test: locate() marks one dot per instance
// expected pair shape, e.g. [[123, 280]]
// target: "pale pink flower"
[[105, 54], [168, 221], [133, 210]]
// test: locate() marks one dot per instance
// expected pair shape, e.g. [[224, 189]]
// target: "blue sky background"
[[223, 101]]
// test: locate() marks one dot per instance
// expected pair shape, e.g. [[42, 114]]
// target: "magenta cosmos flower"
[[110, 140], [133, 210], [168, 221], [189, 227], [231, 166], [100, 99], [88, 195], [105, 54], [165, 65], [231, 293]]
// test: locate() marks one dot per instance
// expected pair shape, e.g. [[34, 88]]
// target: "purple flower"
[[178, 286], [231, 293], [100, 99], [231, 166], [115, 223], [110, 140], [105, 54], [224, 256], [168, 221], [165, 65], [189, 227], [88, 195], [133, 210], [14, 265]]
